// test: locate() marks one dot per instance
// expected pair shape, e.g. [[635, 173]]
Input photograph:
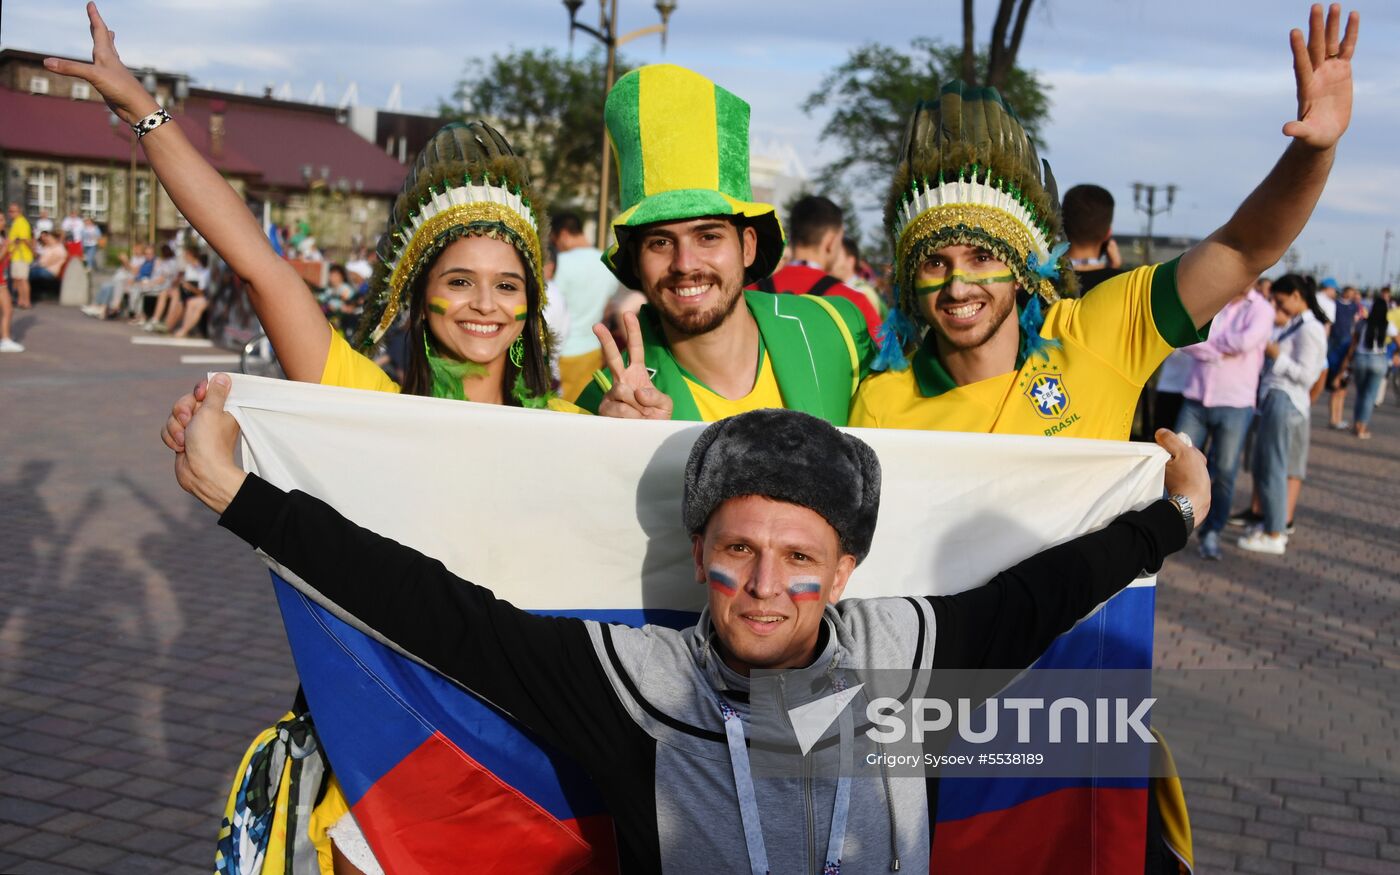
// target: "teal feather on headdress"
[[1050, 270], [1031, 321], [895, 334]]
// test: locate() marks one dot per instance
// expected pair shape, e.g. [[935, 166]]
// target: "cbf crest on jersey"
[[1048, 394]]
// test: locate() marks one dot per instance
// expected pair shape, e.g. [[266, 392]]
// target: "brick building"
[[61, 149]]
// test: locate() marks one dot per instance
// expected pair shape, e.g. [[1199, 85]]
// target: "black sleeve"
[[543, 671], [1011, 620]]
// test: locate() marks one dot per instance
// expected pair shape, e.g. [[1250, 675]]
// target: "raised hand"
[[126, 97], [1322, 68], [632, 395]]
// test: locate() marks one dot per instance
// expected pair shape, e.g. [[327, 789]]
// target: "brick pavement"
[[139, 647], [1329, 608], [140, 650]]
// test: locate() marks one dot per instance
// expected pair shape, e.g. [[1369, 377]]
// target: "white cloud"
[[1188, 91]]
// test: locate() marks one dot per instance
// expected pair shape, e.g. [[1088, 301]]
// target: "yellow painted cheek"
[[931, 287], [439, 305], [985, 278], [521, 310]]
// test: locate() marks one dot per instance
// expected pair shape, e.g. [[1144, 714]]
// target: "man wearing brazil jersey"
[[981, 270], [986, 337]]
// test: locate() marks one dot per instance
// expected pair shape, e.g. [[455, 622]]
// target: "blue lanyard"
[[748, 801]]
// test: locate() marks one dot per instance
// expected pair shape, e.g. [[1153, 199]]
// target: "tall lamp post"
[[1385, 253], [1145, 201], [606, 33], [121, 128]]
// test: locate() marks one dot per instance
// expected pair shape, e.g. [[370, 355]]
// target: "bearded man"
[[690, 237]]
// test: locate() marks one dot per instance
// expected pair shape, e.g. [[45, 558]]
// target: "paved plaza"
[[140, 648]]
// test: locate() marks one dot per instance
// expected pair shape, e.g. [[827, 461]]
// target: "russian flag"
[[1081, 824], [581, 515], [437, 778]]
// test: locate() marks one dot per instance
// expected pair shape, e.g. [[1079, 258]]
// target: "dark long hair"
[[418, 375], [1304, 285], [1376, 322]]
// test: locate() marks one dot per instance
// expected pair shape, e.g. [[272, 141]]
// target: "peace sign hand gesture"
[[126, 97], [1322, 68], [632, 395]]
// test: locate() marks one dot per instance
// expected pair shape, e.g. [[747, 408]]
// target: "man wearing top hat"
[[690, 237]]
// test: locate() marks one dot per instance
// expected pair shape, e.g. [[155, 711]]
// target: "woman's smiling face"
[[475, 299]]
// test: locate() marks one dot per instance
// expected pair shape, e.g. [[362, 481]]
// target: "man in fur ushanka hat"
[[985, 336], [780, 507]]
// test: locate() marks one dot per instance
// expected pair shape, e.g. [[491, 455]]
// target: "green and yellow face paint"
[[521, 310], [439, 305], [925, 287]]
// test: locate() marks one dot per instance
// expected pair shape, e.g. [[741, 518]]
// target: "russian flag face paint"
[[804, 590], [721, 582]]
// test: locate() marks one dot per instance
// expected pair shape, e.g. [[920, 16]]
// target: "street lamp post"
[[1385, 252], [606, 33], [1145, 201], [119, 127]]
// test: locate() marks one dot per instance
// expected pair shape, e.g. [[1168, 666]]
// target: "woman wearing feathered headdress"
[[460, 260], [461, 263]]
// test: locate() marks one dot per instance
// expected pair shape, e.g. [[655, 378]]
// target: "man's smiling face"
[[965, 294], [692, 271], [771, 568]]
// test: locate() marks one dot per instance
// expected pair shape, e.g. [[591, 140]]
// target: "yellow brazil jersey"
[[715, 407], [350, 370], [1109, 343]]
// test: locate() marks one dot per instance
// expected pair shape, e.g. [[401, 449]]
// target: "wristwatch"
[[1187, 510]]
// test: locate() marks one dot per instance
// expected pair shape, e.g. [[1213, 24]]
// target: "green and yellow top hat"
[[682, 149]]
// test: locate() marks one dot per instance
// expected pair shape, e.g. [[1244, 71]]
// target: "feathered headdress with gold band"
[[968, 174], [466, 182]]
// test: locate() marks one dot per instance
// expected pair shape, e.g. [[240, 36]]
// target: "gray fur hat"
[[788, 456]]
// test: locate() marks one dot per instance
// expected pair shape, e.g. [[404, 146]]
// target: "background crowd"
[[1244, 396]]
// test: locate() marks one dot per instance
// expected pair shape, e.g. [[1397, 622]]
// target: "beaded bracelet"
[[151, 122]]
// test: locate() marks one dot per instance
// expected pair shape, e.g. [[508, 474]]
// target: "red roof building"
[[62, 150]]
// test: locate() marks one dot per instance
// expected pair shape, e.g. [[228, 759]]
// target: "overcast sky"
[[1191, 92]]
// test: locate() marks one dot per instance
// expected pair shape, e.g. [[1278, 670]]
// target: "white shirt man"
[[72, 225]]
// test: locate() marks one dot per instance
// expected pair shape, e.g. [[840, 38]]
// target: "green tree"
[[550, 108], [871, 94]]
